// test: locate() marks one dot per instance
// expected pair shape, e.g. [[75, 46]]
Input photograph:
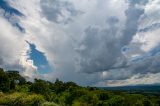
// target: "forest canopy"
[[16, 91]]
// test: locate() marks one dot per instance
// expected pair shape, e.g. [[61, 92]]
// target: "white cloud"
[[148, 40], [13, 48]]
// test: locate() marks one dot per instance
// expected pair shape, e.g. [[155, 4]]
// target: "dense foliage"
[[16, 91]]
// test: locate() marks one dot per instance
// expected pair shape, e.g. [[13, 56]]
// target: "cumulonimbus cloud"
[[94, 42]]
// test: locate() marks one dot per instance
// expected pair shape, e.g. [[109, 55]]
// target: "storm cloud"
[[102, 48], [98, 42]]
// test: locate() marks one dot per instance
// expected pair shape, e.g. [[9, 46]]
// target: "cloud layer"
[[98, 42]]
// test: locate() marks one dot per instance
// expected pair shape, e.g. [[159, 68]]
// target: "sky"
[[90, 42]]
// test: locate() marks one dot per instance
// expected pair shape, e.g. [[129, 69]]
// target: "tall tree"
[[4, 81]]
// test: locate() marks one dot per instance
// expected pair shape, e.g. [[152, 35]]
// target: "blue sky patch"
[[4, 5], [9, 13], [39, 60]]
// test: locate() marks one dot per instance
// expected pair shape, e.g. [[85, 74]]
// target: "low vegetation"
[[16, 91]]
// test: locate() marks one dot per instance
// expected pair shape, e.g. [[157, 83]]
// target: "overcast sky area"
[[90, 42]]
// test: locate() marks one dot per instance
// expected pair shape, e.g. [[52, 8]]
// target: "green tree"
[[58, 86], [16, 77], [116, 101], [40, 86], [4, 81], [147, 102], [103, 96]]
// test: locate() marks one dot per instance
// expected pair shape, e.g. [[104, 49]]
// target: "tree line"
[[16, 91]]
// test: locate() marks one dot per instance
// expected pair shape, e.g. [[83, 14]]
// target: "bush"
[[147, 102], [116, 101], [22, 88], [103, 96], [49, 104], [76, 103], [10, 99], [31, 100], [21, 99]]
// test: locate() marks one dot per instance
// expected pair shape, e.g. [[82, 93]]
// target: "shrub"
[[9, 99], [116, 101], [21, 99], [31, 100], [49, 104]]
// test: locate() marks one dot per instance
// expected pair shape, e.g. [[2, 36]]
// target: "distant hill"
[[145, 89]]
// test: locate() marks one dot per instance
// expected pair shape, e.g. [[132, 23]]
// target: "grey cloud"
[[140, 2], [118, 74], [112, 20], [1, 61], [53, 10], [150, 64], [150, 27], [102, 47], [133, 15]]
